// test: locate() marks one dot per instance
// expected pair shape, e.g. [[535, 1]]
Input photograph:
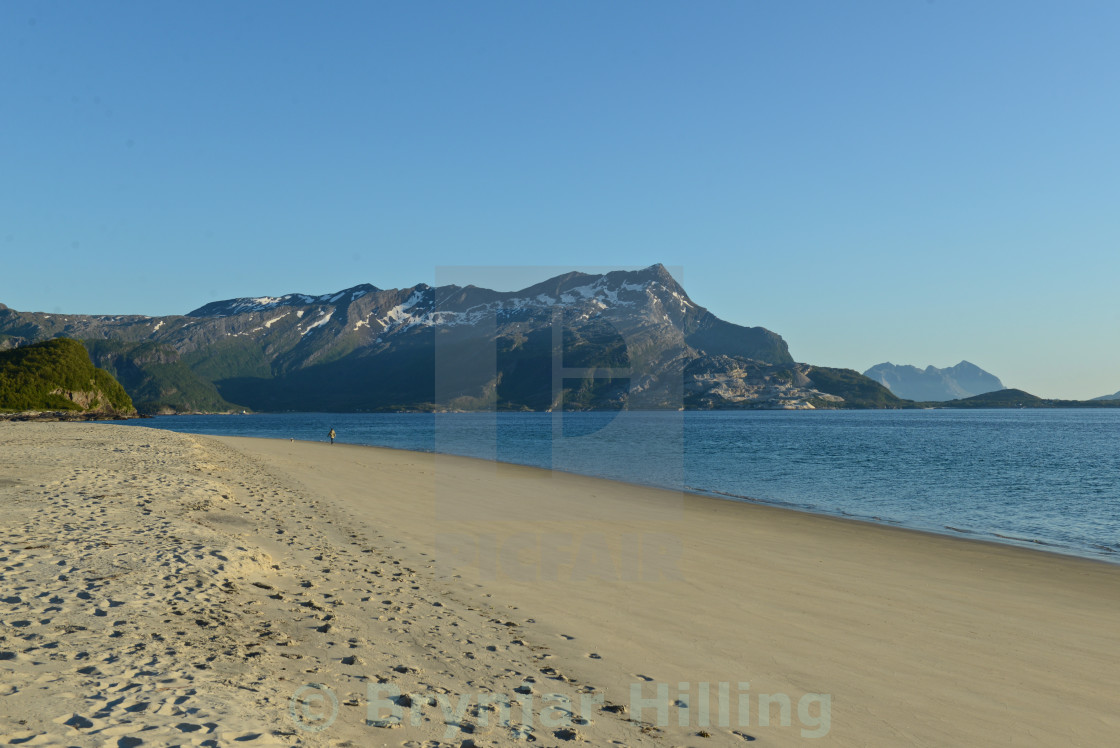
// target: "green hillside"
[[58, 375], [158, 380]]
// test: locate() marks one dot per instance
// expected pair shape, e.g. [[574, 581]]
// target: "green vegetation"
[[156, 378], [857, 390], [58, 375], [403, 378], [231, 357]]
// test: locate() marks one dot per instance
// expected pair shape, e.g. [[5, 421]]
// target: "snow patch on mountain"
[[587, 297], [593, 298], [251, 304], [274, 320], [324, 318], [400, 317]]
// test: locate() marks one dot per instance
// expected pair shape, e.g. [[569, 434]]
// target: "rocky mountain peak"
[[248, 304], [368, 348]]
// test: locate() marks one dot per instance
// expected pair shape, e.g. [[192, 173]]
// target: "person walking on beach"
[[331, 436]]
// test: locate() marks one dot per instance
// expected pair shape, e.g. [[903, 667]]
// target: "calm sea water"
[[1047, 479]]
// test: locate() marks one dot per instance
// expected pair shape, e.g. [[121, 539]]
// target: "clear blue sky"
[[920, 182]]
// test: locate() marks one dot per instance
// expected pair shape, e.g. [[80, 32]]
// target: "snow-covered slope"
[[249, 305]]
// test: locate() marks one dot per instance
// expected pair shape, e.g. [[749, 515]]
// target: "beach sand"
[[171, 589]]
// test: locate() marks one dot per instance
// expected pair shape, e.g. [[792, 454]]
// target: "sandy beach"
[[170, 589]]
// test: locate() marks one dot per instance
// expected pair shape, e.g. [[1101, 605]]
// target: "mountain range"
[[576, 341], [932, 384]]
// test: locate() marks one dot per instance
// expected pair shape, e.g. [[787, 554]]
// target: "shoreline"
[[217, 579], [949, 533], [1111, 558], [791, 602], [49, 416], [977, 536]]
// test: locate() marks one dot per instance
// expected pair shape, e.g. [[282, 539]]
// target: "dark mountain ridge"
[[576, 341]]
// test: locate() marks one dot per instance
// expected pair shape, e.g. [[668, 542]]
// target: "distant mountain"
[[58, 375], [1115, 396], [932, 384], [577, 341]]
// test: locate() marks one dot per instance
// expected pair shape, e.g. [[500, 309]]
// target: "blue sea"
[[1046, 479]]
